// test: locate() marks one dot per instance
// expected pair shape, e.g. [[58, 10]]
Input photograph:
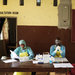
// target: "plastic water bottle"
[[50, 60]]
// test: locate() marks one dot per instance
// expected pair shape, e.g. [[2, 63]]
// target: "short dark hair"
[[58, 38]]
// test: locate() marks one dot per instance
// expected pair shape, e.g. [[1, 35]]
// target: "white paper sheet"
[[62, 65], [9, 61], [61, 60], [35, 62]]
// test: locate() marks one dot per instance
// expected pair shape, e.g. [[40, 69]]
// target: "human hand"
[[55, 50], [58, 48]]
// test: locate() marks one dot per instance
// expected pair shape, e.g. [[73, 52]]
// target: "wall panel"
[[40, 38]]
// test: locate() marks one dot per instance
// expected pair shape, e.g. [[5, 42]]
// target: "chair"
[[72, 72]]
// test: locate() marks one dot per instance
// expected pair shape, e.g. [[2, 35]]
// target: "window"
[[21, 2], [38, 2], [4, 2], [55, 3]]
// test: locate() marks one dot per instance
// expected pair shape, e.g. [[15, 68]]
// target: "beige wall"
[[30, 14], [73, 4]]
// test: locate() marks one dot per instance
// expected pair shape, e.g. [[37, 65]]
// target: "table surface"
[[28, 67]]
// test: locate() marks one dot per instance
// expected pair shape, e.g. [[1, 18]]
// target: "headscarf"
[[22, 42]]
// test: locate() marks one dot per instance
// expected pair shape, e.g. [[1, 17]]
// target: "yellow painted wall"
[[73, 4], [30, 14]]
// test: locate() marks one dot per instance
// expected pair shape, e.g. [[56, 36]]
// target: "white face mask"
[[57, 42]]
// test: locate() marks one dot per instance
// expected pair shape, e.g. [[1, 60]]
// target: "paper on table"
[[62, 65], [35, 62], [9, 61], [61, 60]]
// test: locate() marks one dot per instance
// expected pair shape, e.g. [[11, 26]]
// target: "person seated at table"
[[57, 50], [21, 51]]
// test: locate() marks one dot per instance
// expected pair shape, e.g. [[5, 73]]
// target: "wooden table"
[[30, 67]]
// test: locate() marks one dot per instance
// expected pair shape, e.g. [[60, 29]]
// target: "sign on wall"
[[8, 12]]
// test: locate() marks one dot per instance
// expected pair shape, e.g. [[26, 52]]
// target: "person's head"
[[58, 41], [22, 43]]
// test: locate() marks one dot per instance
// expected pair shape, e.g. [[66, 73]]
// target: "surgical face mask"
[[57, 42], [22, 46]]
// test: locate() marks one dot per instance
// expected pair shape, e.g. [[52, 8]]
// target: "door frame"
[[16, 25]]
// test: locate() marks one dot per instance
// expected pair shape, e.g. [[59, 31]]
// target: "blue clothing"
[[52, 49], [26, 49]]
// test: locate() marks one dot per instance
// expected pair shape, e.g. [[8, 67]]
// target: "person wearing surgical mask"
[[57, 50], [22, 51]]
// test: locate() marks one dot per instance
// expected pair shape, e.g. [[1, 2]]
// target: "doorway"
[[8, 33]]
